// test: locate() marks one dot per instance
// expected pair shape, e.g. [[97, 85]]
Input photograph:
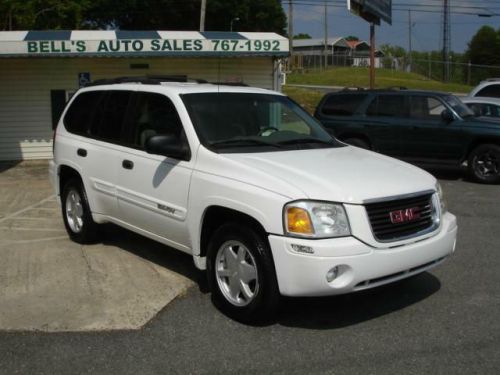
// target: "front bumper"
[[360, 266]]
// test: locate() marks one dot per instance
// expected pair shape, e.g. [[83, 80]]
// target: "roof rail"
[[396, 88], [229, 84], [353, 89], [147, 80], [492, 80]]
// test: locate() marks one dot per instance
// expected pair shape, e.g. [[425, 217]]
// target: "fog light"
[[332, 274], [302, 249]]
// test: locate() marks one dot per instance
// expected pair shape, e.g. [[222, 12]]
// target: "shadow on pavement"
[[455, 174], [162, 255], [5, 165], [350, 309], [310, 313]]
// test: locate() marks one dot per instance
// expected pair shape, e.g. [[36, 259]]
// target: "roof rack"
[[396, 88], [353, 89], [229, 84], [147, 80]]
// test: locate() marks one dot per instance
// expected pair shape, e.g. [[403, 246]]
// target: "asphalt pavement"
[[445, 321]]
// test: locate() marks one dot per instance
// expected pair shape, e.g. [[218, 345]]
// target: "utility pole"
[[325, 51], [446, 40], [202, 14], [290, 31], [372, 55], [409, 39]]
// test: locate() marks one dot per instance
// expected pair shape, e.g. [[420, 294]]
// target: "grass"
[[308, 99], [359, 77]]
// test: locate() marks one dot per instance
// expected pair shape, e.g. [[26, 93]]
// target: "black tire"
[[77, 217], [263, 305], [357, 142], [484, 164]]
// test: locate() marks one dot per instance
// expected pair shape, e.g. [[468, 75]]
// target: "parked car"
[[484, 107], [489, 88], [422, 127], [250, 185]]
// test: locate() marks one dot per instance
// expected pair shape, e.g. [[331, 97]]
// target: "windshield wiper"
[[305, 140], [243, 143]]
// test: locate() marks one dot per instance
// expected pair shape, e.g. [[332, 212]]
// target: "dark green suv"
[[422, 127]]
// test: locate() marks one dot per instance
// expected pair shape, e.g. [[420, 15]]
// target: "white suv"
[[249, 184], [487, 88]]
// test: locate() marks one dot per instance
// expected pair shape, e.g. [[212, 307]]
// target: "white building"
[[40, 70]]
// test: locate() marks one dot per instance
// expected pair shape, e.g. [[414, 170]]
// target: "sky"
[[427, 26]]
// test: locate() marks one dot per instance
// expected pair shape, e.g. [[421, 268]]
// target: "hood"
[[344, 174], [487, 120], [483, 122]]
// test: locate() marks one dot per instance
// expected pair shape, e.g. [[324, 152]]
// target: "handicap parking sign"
[[83, 79]]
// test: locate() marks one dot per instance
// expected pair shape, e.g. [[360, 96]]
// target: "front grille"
[[383, 227]]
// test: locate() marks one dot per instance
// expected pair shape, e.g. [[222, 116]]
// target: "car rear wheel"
[[241, 274], [357, 142], [76, 213], [484, 164]]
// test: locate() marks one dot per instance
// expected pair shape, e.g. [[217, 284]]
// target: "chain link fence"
[[454, 70]]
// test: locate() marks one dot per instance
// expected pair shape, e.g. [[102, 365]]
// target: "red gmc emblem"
[[404, 216]]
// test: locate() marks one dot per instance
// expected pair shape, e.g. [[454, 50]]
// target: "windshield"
[[460, 108], [248, 122]]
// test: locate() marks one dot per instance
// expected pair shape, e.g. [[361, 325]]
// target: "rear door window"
[[387, 106], [108, 120], [79, 115], [154, 114], [342, 104]]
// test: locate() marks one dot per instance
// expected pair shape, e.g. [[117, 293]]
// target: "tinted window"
[[79, 115], [491, 91], [155, 114], [342, 104], [108, 120], [387, 105], [425, 107], [484, 109]]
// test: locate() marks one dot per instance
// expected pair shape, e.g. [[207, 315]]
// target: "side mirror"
[[447, 116], [167, 145]]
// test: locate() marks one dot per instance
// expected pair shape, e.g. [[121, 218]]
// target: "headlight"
[[442, 200], [315, 219]]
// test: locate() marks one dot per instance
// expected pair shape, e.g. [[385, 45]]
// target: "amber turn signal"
[[298, 221]]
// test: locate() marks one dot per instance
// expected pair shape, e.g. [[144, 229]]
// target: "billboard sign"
[[372, 10]]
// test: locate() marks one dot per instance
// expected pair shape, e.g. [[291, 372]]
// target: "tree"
[[301, 36], [484, 49], [351, 38], [43, 14], [253, 15]]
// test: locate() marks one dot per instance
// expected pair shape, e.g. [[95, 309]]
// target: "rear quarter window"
[[492, 91], [79, 114], [342, 104]]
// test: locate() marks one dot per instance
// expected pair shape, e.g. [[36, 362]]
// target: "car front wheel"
[[241, 274]]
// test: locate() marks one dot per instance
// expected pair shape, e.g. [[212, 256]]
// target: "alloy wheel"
[[236, 273], [74, 211]]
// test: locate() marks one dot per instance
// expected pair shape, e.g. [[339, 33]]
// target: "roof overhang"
[[92, 43]]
